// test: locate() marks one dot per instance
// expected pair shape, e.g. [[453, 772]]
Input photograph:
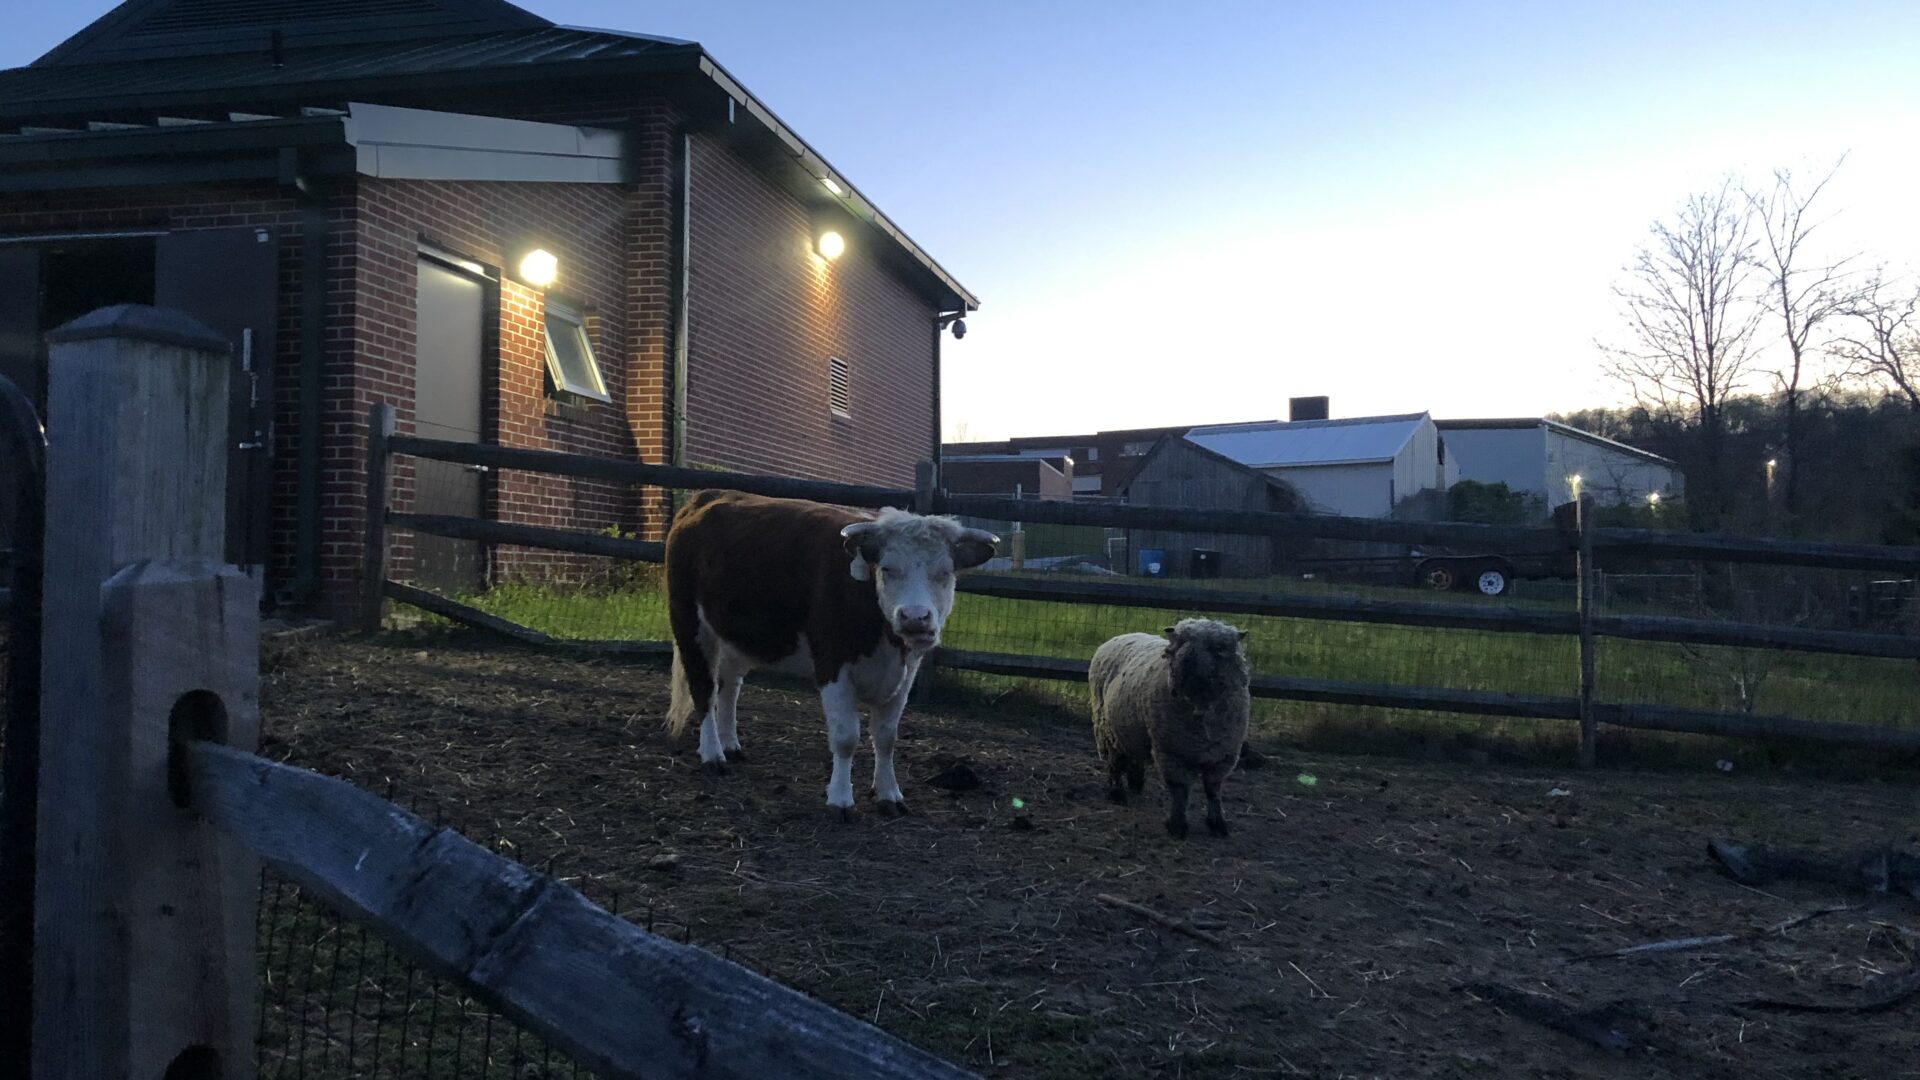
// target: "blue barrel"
[[1152, 562]]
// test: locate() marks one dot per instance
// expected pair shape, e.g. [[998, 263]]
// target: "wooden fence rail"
[[1325, 607], [1479, 539], [621, 1001], [1582, 541], [1484, 703], [635, 472]]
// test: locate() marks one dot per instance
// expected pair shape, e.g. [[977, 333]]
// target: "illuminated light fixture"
[[832, 186], [1653, 498], [1772, 463], [539, 268], [831, 244], [1575, 481]]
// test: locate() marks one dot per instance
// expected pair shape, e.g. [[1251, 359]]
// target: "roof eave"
[[850, 197]]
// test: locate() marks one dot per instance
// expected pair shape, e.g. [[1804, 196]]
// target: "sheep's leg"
[[885, 723], [1216, 814], [1179, 783], [837, 700], [1137, 775], [1117, 767], [1177, 808]]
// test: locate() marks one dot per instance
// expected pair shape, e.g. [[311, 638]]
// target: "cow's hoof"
[[846, 814], [736, 754], [1177, 828], [1219, 827], [892, 807], [1117, 796], [715, 768]]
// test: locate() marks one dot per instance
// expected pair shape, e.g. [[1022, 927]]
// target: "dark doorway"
[[226, 278], [229, 280], [450, 356]]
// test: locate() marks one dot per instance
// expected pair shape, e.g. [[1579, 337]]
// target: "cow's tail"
[[680, 705]]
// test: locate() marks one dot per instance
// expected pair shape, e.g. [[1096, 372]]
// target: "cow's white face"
[[911, 560]]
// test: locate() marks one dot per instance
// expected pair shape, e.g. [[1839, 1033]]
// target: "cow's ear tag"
[[859, 569]]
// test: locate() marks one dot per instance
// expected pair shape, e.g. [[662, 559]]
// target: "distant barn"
[[1540, 458], [1179, 473]]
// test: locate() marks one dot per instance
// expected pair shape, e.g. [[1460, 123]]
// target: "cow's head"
[[911, 560], [1205, 659]]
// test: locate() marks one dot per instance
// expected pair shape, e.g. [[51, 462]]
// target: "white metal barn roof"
[[1280, 444]]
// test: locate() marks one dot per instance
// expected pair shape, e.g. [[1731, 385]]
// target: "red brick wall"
[[766, 314], [222, 205], [587, 227]]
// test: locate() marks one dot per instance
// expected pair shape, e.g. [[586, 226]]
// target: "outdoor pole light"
[[1653, 499], [831, 244], [1575, 481], [539, 268]]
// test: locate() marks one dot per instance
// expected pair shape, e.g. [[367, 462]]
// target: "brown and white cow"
[[853, 601]]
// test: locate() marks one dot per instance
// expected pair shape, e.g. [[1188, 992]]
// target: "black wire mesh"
[[1762, 681], [596, 599], [336, 1001]]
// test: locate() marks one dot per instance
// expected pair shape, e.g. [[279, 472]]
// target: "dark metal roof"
[[151, 60], [146, 29], [44, 90]]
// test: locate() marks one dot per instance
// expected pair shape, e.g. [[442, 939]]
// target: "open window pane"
[[570, 355]]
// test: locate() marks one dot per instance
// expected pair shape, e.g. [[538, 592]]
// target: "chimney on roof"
[[1307, 408]]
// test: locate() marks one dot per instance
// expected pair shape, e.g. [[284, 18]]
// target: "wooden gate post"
[[1588, 578], [143, 949]]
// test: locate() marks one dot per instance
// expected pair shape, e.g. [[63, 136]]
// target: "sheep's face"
[[911, 560], [1204, 658]]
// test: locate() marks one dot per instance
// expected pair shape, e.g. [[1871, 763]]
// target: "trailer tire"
[[1493, 579], [1438, 575]]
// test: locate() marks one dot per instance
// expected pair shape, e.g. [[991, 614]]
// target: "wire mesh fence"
[[1762, 680], [1337, 607], [336, 1002]]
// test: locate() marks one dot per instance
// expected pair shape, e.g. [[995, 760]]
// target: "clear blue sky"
[[1187, 213]]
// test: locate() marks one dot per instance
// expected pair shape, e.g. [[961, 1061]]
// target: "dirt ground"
[[1359, 921]]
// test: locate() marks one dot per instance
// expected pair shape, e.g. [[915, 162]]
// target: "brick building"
[[511, 231]]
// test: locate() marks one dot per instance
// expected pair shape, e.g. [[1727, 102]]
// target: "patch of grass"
[[1845, 689]]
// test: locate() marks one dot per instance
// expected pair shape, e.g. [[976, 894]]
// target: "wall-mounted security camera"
[[959, 329]]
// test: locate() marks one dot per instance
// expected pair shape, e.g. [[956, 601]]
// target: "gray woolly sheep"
[[1181, 698]]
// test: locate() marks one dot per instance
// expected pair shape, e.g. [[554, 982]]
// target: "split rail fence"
[[1590, 546], [142, 875]]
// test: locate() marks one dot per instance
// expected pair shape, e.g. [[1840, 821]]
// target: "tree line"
[[1782, 374]]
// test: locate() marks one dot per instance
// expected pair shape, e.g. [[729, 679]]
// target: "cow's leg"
[[729, 669], [726, 697], [842, 709], [886, 728]]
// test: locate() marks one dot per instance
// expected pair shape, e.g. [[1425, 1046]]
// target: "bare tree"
[[1688, 304], [1804, 293], [1881, 338]]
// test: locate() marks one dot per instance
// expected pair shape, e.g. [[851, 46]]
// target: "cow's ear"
[[862, 547], [974, 547], [1243, 636]]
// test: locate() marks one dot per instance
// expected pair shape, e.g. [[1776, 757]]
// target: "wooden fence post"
[[1588, 577], [379, 471], [143, 948]]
